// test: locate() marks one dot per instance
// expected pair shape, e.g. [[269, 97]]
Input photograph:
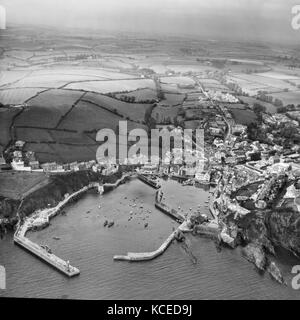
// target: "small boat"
[[110, 224], [56, 238], [48, 250], [105, 223]]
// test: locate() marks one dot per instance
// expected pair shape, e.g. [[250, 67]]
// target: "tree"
[[282, 110], [278, 103], [258, 108]]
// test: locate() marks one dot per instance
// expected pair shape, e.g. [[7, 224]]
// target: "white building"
[[18, 165]]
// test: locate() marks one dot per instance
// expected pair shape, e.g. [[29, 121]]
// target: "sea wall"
[[54, 192]]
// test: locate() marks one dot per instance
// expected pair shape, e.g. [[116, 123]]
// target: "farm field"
[[214, 87], [32, 134], [174, 99], [56, 76], [253, 83], [65, 153], [16, 184], [8, 77], [6, 119], [51, 81], [278, 75], [74, 138], [47, 109], [112, 86], [170, 88], [140, 94], [165, 114], [62, 153], [133, 111], [15, 96], [177, 80], [288, 97], [251, 101], [87, 117], [244, 117]]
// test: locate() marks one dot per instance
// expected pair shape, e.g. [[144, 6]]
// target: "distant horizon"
[[247, 20], [151, 35]]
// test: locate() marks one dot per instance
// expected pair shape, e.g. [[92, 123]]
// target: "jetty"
[[145, 256], [168, 210], [152, 183]]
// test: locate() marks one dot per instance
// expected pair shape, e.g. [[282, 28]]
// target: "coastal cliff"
[[264, 231], [273, 228], [283, 228]]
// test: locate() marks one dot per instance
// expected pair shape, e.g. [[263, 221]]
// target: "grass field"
[[140, 94], [47, 109], [165, 114], [134, 111], [178, 80], [173, 99], [65, 137], [6, 118], [68, 153], [52, 80], [87, 116], [7, 77], [288, 97], [251, 101], [252, 83], [244, 117], [17, 96], [32, 134], [15, 185], [112, 86]]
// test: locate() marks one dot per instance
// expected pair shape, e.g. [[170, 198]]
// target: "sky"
[[216, 19]]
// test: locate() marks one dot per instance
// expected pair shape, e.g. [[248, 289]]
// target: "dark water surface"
[[90, 247]]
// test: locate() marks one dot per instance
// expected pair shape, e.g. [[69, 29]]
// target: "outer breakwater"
[[144, 256], [167, 210]]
